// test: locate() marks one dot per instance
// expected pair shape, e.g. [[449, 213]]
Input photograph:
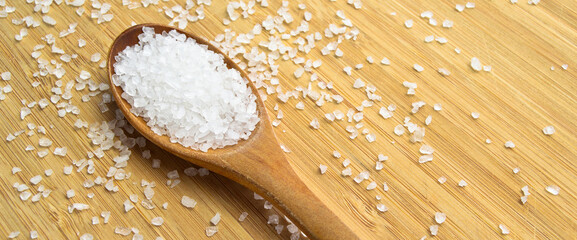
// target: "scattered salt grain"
[[418, 67], [372, 186], [157, 221], [434, 229], [399, 130], [462, 183], [475, 115], [60, 151], [48, 20], [429, 38], [440, 217], [300, 106], [409, 23], [6, 76], [460, 7], [347, 172], [323, 168], [509, 144], [13, 235], [210, 231], [36, 179], [425, 158], [86, 236], [426, 149], [95, 57], [553, 189], [385, 61], [565, 66], [516, 170], [33, 234], [442, 180], [504, 229], [216, 219], [381, 207], [68, 170], [476, 64], [548, 130], [16, 170], [242, 216], [315, 124], [70, 193], [188, 202]]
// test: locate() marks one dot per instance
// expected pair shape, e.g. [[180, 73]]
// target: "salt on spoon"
[[256, 162]]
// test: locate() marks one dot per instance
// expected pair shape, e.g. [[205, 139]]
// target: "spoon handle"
[[264, 169]]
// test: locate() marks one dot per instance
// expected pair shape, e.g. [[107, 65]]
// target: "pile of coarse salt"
[[185, 91]]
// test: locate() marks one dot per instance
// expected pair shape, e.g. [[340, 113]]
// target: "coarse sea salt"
[[185, 91]]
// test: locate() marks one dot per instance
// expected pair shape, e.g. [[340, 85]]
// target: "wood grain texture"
[[519, 97]]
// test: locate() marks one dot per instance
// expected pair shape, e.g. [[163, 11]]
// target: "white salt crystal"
[[372, 186], [219, 106], [6, 76], [216, 219], [33, 234], [25, 195], [60, 151], [444, 71], [475, 115], [429, 38], [157, 221], [476, 64], [516, 170], [68, 170], [346, 172], [382, 157], [440, 217], [127, 206], [16, 170], [323, 168], [210, 231], [460, 7], [385, 61], [36, 179], [426, 149], [549, 130], [44, 142], [13, 235], [409, 23], [509, 144], [418, 67], [442, 180], [242, 216], [48, 20], [462, 183], [504, 229], [300, 106], [425, 158], [346, 162], [553, 189], [381, 207], [188, 202], [315, 124], [86, 236], [336, 154], [70, 193], [95, 57], [434, 229], [399, 130]]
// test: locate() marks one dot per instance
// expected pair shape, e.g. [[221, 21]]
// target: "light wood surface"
[[516, 100]]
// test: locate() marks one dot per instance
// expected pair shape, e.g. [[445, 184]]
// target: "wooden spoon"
[[257, 163]]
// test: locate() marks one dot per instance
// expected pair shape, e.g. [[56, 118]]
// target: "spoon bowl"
[[257, 163]]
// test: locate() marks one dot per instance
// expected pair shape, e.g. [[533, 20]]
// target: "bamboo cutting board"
[[526, 90]]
